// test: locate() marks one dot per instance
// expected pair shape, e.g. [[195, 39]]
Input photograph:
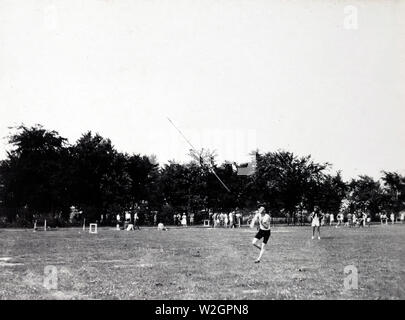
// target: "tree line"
[[44, 175]]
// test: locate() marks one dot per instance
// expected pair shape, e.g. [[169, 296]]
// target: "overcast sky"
[[233, 75]]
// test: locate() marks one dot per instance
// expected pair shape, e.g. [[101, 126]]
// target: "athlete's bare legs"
[[262, 249]]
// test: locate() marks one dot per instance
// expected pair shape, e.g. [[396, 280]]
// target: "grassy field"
[[198, 263]]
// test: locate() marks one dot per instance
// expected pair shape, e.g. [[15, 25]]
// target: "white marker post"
[[93, 228]]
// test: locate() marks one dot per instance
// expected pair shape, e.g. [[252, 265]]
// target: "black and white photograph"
[[203, 150]]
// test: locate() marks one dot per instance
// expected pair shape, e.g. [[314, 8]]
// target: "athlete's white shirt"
[[262, 221]]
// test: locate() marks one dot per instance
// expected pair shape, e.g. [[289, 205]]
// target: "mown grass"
[[198, 263]]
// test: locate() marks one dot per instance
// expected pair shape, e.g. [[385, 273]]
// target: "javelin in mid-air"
[[194, 150]]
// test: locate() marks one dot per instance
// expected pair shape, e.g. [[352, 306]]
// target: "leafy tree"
[[282, 179], [366, 194], [96, 171], [394, 187], [144, 174], [44, 176], [178, 183], [32, 176], [331, 191]]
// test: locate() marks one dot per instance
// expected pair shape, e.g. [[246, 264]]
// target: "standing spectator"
[[354, 219], [402, 216], [357, 215], [332, 219], [349, 219], [304, 214], [339, 219], [238, 217], [191, 218], [327, 217], [381, 215], [136, 220], [250, 218], [385, 218], [154, 218], [360, 219], [221, 219], [364, 219], [232, 219], [127, 216], [369, 220], [211, 217], [225, 220], [392, 217], [118, 217], [217, 217], [175, 219], [127, 221], [178, 219], [184, 220]]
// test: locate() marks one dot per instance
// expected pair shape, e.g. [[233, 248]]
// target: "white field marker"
[[93, 228]]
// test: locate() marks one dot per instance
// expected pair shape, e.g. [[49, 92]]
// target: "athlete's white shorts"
[[315, 223]]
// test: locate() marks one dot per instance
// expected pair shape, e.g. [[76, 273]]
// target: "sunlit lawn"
[[199, 263]]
